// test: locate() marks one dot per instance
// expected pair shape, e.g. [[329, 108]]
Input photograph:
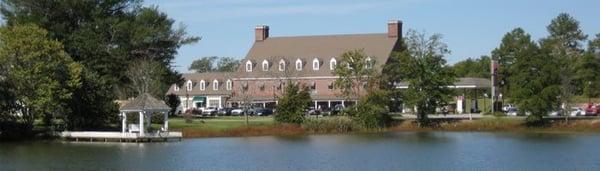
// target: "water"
[[383, 151]]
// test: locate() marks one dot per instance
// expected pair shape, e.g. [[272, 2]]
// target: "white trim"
[[450, 86], [202, 85], [332, 64], [265, 65], [278, 78], [189, 85], [280, 65], [316, 61], [215, 85], [229, 84], [299, 65], [249, 66]]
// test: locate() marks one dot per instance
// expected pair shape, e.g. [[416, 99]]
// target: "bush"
[[370, 111], [330, 125], [11, 129], [292, 104]]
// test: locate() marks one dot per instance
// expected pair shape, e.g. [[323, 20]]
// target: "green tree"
[[42, 76], [227, 64], [292, 104], [105, 37], [172, 100], [513, 44], [371, 110], [205, 64], [478, 68], [355, 73], [426, 72]]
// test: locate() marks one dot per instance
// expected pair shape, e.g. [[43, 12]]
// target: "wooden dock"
[[93, 136]]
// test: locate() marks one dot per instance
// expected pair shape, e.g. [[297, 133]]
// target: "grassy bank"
[[263, 126]]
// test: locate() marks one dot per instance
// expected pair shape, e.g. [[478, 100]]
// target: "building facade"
[[273, 61]]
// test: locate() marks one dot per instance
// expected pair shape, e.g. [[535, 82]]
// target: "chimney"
[[261, 33], [395, 29]]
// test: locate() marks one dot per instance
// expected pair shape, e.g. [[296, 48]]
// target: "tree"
[[355, 72], [292, 104], [213, 63], [145, 77], [513, 44], [41, 76], [478, 68], [172, 100], [105, 37], [426, 72], [204, 64]]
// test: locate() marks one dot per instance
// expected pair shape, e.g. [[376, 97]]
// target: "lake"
[[379, 151]]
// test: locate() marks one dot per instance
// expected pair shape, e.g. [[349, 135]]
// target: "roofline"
[[328, 35]]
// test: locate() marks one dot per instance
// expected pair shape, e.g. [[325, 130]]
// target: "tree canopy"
[[213, 63]]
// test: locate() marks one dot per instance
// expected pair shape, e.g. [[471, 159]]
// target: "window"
[[265, 65], [215, 85], [369, 63], [332, 64], [249, 66], [202, 85], [189, 85], [229, 85], [282, 65], [299, 65], [316, 64], [176, 88]]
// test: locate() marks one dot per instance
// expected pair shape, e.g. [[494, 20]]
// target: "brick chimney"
[[261, 33], [395, 29]]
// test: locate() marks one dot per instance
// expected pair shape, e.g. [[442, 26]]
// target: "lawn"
[[218, 123]]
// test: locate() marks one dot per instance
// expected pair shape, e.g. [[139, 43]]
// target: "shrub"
[[292, 104], [370, 111]]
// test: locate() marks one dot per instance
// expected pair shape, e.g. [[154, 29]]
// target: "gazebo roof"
[[145, 102]]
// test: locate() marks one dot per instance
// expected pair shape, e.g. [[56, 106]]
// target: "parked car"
[[592, 110], [313, 111], [337, 109], [209, 111], [512, 111], [237, 112], [576, 111], [193, 111], [263, 112], [505, 108], [250, 111], [225, 111]]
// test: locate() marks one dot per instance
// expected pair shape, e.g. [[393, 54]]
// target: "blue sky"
[[471, 28]]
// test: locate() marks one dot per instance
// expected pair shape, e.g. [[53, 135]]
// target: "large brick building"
[[273, 61]]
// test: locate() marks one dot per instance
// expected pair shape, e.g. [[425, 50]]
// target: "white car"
[[576, 111], [237, 111], [209, 111], [512, 111]]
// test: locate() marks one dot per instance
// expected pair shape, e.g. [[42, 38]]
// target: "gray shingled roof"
[[144, 102], [306, 48], [208, 78]]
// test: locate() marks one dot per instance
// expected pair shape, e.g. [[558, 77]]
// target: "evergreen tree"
[[292, 104]]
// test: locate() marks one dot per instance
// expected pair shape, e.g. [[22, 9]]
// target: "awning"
[[199, 98]]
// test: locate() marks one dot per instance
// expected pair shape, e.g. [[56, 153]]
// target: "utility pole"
[[494, 69]]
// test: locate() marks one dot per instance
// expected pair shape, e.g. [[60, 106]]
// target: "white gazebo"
[[145, 105]]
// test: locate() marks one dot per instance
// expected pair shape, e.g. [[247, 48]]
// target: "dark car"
[[263, 112], [225, 111], [337, 109]]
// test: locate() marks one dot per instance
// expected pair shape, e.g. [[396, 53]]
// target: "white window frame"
[[282, 65], [215, 85], [249, 66], [202, 85], [317, 66], [189, 85], [332, 64], [299, 65], [229, 85], [265, 65]]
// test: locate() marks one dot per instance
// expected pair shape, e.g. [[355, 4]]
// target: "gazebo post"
[[123, 122], [141, 123], [166, 121]]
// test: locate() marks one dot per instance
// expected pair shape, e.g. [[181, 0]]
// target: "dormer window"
[[265, 65], [229, 85], [332, 64], [215, 85], [249, 66], [369, 64], [282, 65], [299, 65], [176, 88], [202, 85], [316, 64], [189, 85]]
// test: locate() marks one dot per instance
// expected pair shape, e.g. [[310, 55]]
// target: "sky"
[[471, 28]]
